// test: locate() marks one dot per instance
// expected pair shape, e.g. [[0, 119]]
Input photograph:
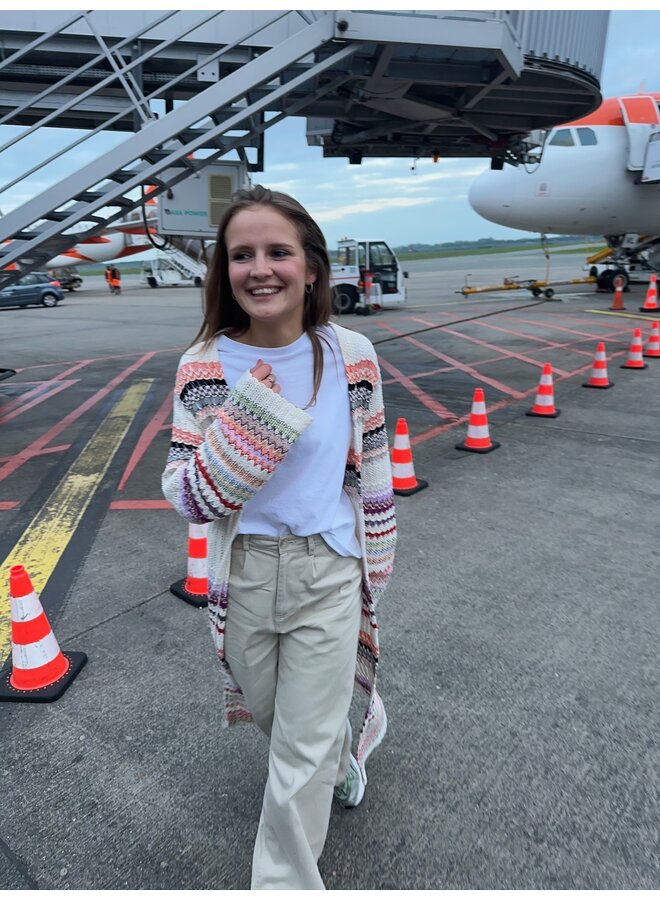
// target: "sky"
[[402, 201]]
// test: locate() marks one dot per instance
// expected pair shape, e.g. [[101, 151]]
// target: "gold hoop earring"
[[309, 288]]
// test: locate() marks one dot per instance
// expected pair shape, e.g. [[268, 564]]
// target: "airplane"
[[126, 238], [596, 175]]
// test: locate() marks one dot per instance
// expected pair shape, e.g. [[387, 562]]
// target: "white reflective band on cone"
[[479, 408], [543, 400], [197, 568], [401, 441], [31, 656], [25, 608], [198, 531], [478, 431], [403, 470]]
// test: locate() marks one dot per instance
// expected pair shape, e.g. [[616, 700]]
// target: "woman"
[[279, 443]]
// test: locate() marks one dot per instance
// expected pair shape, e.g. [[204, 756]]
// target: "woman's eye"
[[280, 253]]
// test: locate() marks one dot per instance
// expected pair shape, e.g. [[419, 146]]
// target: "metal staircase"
[[190, 268], [160, 154], [181, 89]]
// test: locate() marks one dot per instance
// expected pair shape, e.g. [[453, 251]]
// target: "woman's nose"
[[260, 266]]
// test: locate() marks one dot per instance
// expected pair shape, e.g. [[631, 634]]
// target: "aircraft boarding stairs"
[[160, 154], [189, 87], [189, 268]]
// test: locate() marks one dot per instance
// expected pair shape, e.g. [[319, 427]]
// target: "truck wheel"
[[151, 281], [344, 299]]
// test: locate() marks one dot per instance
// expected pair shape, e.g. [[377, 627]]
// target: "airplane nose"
[[488, 196]]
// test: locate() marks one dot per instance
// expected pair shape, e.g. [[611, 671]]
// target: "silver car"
[[36, 288]]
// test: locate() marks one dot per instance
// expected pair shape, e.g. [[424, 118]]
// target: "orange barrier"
[[652, 350], [635, 360], [599, 377], [40, 672], [544, 405], [651, 301], [194, 589], [404, 481], [617, 300], [478, 437]]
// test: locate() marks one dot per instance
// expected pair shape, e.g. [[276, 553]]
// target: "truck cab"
[[367, 274]]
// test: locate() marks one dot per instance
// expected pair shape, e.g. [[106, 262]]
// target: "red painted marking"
[[98, 359], [39, 386], [146, 438], [425, 399], [508, 354], [140, 504], [435, 430], [59, 449], [9, 504], [462, 367], [55, 389], [38, 446]]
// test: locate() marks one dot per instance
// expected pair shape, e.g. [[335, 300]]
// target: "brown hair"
[[222, 312]]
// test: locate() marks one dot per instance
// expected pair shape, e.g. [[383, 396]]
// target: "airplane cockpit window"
[[562, 138], [587, 137]]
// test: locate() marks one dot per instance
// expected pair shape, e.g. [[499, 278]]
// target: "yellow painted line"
[[45, 539], [605, 312]]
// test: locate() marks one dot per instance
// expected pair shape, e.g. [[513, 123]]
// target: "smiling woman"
[[279, 443]]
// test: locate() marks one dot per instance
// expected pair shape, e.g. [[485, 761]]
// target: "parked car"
[[32, 289]]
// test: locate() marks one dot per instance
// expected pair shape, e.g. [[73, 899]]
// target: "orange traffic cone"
[[599, 377], [403, 472], [617, 300], [635, 360], [194, 589], [40, 671], [651, 301], [478, 437], [544, 405], [652, 349]]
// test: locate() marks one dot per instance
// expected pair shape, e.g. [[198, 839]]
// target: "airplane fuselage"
[[582, 184]]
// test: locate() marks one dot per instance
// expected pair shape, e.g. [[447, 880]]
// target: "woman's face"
[[267, 267]]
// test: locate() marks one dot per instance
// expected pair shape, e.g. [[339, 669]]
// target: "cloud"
[[369, 206]]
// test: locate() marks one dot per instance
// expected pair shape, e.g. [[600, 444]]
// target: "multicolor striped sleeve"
[[377, 494], [211, 475]]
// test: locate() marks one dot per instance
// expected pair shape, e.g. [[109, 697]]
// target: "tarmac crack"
[[118, 615], [18, 864], [575, 430]]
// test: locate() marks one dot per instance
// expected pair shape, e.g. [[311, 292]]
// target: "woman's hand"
[[264, 373]]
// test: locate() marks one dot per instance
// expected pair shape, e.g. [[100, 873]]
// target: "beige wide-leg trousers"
[[291, 642]]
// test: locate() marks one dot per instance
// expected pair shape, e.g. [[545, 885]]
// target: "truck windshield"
[[346, 256]]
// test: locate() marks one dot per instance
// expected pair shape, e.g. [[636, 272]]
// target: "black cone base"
[[46, 694], [406, 492], [599, 387], [624, 366], [493, 446], [552, 415], [654, 311], [179, 590]]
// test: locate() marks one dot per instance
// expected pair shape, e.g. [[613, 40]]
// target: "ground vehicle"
[[32, 289], [68, 278], [361, 264], [162, 272]]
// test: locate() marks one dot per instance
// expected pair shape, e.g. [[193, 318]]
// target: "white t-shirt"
[[305, 493]]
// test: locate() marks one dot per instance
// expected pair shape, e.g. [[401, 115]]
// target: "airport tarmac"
[[519, 633]]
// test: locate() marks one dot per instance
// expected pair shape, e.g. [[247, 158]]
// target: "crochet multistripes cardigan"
[[226, 444]]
